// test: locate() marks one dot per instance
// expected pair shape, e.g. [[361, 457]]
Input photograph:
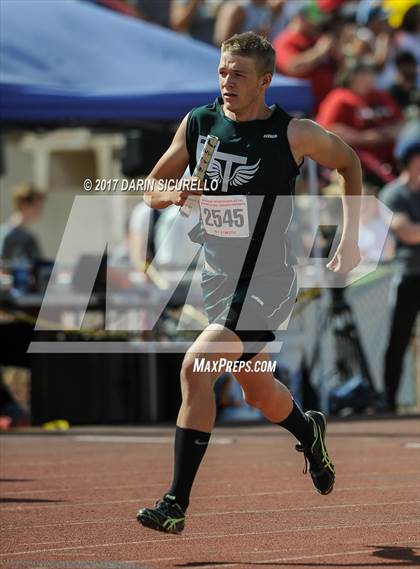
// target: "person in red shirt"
[[303, 51], [367, 119]]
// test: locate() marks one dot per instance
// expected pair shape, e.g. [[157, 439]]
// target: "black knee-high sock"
[[190, 446], [299, 425]]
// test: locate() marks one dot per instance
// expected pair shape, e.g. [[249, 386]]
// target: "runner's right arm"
[[171, 166]]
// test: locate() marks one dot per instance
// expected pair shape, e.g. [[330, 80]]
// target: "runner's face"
[[240, 83]]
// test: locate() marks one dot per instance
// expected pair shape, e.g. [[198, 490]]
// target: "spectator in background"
[[282, 12], [141, 235], [235, 17], [153, 11], [373, 230], [302, 50], [403, 198], [148, 232], [121, 6], [408, 35], [404, 88], [17, 241], [367, 119], [285, 10], [119, 254], [195, 17], [20, 247], [174, 247], [330, 5], [373, 36]]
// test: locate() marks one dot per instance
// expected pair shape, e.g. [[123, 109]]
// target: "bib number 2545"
[[218, 217], [225, 216]]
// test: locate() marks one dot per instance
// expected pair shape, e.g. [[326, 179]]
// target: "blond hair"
[[25, 194], [252, 45]]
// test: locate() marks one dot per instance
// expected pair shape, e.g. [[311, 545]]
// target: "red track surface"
[[70, 501]]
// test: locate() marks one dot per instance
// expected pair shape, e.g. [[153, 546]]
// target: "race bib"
[[225, 216]]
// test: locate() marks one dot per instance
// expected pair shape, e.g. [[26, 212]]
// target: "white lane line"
[[76, 489], [412, 445], [228, 513], [203, 536], [318, 556], [138, 486], [163, 471], [51, 542], [286, 559], [280, 492], [69, 523], [280, 510], [116, 487], [142, 498], [138, 439], [406, 543], [90, 488], [154, 559]]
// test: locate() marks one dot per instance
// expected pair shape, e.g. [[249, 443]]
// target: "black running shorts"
[[252, 308]]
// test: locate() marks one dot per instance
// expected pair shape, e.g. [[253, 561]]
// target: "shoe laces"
[[302, 448], [306, 449], [163, 505], [167, 507], [325, 462]]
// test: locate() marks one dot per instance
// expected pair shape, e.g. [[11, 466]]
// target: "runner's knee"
[[187, 368], [258, 398], [193, 379], [252, 398]]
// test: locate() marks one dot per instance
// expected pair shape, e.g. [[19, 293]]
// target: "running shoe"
[[166, 516], [321, 468]]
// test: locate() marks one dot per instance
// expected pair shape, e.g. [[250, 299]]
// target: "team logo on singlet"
[[229, 169]]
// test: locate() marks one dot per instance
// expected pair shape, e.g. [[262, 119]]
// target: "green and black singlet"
[[253, 165], [251, 287]]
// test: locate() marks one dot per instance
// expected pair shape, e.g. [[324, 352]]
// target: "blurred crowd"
[[362, 58]]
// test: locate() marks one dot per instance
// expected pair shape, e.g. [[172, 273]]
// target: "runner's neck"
[[261, 113]]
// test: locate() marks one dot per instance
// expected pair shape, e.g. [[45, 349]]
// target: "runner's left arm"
[[307, 138]]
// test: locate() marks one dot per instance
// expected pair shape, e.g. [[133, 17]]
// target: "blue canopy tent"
[[76, 62]]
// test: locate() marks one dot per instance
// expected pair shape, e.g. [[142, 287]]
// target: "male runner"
[[269, 147]]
